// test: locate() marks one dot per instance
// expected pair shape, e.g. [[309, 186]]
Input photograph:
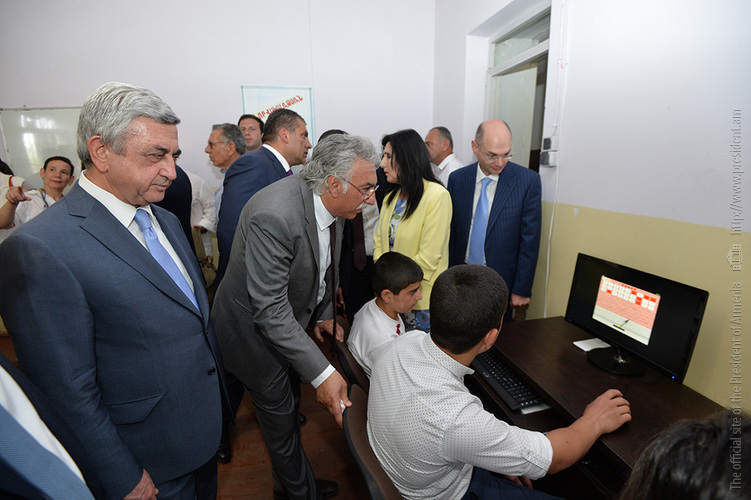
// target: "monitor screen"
[[653, 319]]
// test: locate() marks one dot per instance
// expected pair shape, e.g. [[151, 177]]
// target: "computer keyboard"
[[511, 389]]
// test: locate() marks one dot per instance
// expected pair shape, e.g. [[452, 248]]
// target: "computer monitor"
[[645, 318]]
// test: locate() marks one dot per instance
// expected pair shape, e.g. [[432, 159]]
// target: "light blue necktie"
[[479, 226], [161, 255]]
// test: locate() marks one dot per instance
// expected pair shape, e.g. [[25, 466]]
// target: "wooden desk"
[[542, 352]]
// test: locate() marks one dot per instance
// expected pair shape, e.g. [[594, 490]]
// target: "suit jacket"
[[178, 199], [423, 237], [27, 469], [110, 339], [269, 292], [512, 238], [246, 176]]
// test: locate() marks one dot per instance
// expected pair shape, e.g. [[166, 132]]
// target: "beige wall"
[[688, 253]]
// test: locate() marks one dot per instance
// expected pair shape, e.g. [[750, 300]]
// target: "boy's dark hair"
[[467, 302], [395, 272], [62, 159], [694, 459]]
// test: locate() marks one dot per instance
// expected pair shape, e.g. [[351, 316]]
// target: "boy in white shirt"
[[396, 283]]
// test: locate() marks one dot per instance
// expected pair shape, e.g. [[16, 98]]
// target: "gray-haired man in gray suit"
[[279, 281]]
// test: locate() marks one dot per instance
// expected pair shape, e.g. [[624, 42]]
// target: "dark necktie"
[[358, 242], [332, 235]]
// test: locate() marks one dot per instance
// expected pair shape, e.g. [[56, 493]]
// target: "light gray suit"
[[263, 305]]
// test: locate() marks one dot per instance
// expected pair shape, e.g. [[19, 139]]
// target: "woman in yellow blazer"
[[415, 218]]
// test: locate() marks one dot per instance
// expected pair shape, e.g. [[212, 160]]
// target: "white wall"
[[648, 93], [642, 94], [370, 63]]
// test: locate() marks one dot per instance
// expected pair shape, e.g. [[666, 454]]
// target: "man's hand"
[[331, 394], [327, 326], [340, 299], [200, 228], [609, 411], [15, 195], [518, 300], [144, 490]]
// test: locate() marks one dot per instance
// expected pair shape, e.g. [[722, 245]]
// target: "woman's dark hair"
[[412, 160], [5, 168], [695, 460]]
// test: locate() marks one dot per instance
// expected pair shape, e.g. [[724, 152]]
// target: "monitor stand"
[[613, 360]]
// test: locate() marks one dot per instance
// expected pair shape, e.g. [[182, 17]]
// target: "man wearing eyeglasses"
[[226, 144], [497, 213], [280, 279]]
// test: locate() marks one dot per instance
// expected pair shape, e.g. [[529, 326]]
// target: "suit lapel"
[[464, 200], [278, 168], [311, 228], [502, 194], [177, 240], [102, 225]]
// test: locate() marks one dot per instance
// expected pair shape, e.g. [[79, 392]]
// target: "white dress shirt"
[[279, 157], [448, 165], [29, 209], [202, 209], [428, 431], [323, 220]]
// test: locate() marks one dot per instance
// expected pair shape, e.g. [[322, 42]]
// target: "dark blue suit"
[[118, 349], [512, 239], [246, 176]]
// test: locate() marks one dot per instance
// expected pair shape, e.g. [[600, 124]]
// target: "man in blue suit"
[[285, 143], [105, 305], [497, 213]]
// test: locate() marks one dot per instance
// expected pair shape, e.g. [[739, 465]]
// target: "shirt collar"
[[279, 157], [457, 369], [445, 162], [323, 218], [480, 176], [124, 212]]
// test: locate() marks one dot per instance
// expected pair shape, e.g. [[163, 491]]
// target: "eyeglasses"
[[212, 144], [494, 157], [365, 194]]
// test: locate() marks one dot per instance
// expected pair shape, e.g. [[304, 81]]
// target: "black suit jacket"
[[177, 199]]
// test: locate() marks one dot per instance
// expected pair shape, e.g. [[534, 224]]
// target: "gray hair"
[[233, 134], [444, 133], [335, 156], [110, 110]]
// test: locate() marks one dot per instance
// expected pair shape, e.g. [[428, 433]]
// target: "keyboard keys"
[[511, 389]]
